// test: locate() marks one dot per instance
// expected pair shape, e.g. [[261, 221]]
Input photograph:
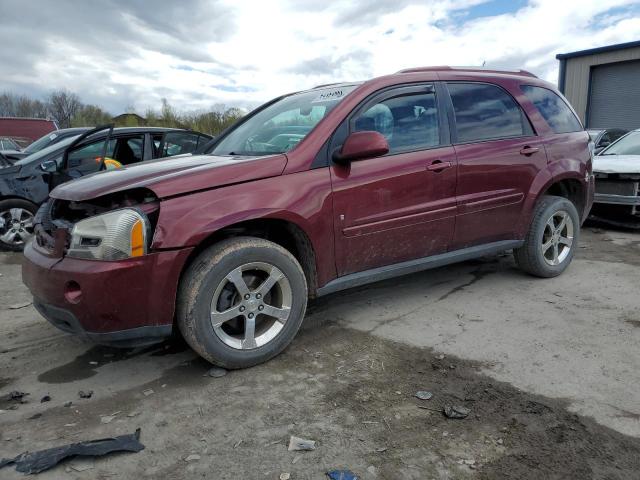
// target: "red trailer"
[[25, 130]]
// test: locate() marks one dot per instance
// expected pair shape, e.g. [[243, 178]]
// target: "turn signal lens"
[[137, 239]]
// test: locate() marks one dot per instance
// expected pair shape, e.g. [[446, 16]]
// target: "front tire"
[[241, 302], [552, 238], [16, 223]]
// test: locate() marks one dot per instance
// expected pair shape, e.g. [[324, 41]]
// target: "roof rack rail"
[[327, 85], [471, 69]]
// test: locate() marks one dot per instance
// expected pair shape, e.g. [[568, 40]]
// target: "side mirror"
[[49, 166], [360, 145]]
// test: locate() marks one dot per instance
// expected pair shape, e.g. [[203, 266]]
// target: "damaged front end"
[[617, 199], [112, 227]]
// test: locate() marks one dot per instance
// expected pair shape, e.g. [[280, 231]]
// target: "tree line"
[[67, 110]]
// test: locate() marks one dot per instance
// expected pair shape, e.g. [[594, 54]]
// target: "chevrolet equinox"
[[311, 193]]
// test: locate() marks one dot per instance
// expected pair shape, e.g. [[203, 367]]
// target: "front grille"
[[50, 235], [627, 188]]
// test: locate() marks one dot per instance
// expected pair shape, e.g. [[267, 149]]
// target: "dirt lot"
[[549, 369]]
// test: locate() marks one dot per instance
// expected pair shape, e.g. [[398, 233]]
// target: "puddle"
[[86, 365]]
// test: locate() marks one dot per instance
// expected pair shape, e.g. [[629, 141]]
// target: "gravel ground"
[[548, 369]]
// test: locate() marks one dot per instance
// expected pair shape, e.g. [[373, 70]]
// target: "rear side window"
[[486, 112], [554, 110]]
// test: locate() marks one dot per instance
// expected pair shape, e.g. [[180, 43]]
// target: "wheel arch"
[[284, 232]]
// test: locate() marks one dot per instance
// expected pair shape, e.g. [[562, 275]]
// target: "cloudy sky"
[[197, 53]]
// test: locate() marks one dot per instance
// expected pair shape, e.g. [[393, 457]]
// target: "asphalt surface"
[[548, 369]]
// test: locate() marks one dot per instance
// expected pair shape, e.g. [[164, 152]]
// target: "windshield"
[[282, 125], [45, 152], [627, 145], [41, 143]]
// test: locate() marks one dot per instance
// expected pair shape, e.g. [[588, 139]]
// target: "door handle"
[[526, 151], [438, 166]]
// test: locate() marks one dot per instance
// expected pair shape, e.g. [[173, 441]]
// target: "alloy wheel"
[[251, 305], [16, 226], [557, 239]]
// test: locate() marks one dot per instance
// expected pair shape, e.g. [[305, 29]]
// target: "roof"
[[593, 51]]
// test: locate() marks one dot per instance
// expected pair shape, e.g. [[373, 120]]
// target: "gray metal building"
[[603, 85]]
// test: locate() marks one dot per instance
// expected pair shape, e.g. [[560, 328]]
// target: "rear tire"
[[16, 223], [552, 238], [241, 302]]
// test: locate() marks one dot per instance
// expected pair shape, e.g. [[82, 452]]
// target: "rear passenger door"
[[400, 206], [498, 156]]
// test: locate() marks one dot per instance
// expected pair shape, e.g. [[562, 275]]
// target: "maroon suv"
[[312, 193]]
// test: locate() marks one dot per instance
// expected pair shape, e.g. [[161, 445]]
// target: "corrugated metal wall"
[[578, 74]]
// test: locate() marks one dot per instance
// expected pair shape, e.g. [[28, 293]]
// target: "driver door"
[[400, 206]]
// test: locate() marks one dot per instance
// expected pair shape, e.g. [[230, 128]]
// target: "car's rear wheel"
[[241, 302], [16, 223], [552, 238]]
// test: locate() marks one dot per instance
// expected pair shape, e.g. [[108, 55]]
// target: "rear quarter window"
[[553, 109]]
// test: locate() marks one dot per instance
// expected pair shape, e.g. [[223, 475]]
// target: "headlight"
[[111, 236]]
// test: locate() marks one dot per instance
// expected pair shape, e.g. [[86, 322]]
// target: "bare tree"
[[63, 107]]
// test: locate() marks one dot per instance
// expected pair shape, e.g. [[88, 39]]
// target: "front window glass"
[[178, 143], [627, 145], [554, 110], [282, 125], [486, 112], [408, 122]]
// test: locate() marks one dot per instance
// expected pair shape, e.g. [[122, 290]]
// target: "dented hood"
[[175, 176], [616, 163]]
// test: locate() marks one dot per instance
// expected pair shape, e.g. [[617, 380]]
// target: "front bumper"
[[122, 303]]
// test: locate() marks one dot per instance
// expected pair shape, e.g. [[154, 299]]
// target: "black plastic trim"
[[404, 268], [133, 337]]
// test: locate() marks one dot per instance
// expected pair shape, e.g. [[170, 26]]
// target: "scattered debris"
[[456, 411], [297, 444], [46, 398], [17, 396], [285, 476], [93, 363], [71, 424], [36, 462], [372, 470], [107, 418], [192, 458], [35, 416], [296, 459], [440, 357], [68, 404], [87, 394], [81, 466], [342, 475], [133, 414], [216, 372], [381, 450], [237, 444], [148, 392], [17, 306], [500, 441], [423, 395]]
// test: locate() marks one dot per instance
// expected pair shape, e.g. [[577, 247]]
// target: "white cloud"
[[241, 52]]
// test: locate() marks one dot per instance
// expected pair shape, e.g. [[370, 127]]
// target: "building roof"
[[593, 51]]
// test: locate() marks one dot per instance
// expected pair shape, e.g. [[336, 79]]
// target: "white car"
[[617, 172]]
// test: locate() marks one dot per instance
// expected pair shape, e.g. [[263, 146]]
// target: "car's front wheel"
[[241, 302], [16, 223], [552, 238]]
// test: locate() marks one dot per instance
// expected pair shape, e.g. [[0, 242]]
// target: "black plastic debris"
[[87, 394], [342, 475], [17, 396], [46, 398], [36, 462], [456, 412]]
